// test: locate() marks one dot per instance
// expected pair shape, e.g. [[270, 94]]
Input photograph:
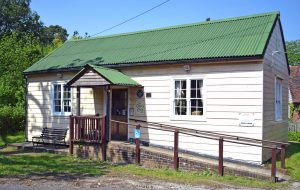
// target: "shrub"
[[11, 120], [294, 136]]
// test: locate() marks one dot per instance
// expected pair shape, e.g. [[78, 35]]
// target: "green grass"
[[207, 177], [292, 161], [14, 163], [17, 137]]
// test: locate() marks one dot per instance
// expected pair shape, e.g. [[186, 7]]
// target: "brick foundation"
[[125, 153]]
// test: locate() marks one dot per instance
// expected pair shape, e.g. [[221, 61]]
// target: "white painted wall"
[[40, 105], [230, 89]]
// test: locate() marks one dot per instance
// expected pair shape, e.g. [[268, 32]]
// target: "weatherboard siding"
[[274, 66], [230, 89], [40, 105]]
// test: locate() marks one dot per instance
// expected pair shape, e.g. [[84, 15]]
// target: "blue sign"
[[137, 133], [140, 93]]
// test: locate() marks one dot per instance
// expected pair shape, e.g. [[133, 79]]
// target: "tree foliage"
[[293, 51], [54, 32], [23, 41], [16, 16]]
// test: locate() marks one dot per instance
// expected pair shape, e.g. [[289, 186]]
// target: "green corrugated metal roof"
[[235, 37], [114, 76]]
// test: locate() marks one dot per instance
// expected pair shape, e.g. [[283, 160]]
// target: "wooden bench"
[[55, 136]]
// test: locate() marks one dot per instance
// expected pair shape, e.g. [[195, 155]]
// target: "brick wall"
[[125, 153]]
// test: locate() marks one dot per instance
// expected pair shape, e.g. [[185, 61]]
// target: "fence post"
[[282, 156], [71, 146], [221, 167], [176, 158], [103, 139], [137, 148], [273, 169]]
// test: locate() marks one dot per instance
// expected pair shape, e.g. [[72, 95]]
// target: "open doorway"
[[119, 113]]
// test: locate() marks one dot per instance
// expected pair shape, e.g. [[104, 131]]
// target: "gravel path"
[[66, 182], [102, 183]]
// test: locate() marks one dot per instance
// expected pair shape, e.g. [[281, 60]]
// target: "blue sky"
[[93, 16]]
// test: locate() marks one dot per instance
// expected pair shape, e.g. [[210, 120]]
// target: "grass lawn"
[[15, 162], [293, 161], [18, 137], [206, 177]]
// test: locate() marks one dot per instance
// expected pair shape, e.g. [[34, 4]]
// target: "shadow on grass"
[[28, 164], [292, 149]]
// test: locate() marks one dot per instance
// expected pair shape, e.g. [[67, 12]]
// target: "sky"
[[93, 16]]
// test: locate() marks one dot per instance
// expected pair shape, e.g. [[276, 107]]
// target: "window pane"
[[193, 84], [177, 84], [57, 98], [67, 99], [199, 83], [177, 93], [183, 84], [67, 92], [196, 111], [199, 93], [180, 107], [183, 94], [57, 108], [196, 104], [193, 93], [278, 99]]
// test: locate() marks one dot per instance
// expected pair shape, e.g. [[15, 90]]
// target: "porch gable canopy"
[[92, 75]]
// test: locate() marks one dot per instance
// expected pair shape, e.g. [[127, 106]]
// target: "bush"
[[294, 136], [11, 120]]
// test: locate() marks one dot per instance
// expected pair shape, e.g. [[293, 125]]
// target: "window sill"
[[61, 114]]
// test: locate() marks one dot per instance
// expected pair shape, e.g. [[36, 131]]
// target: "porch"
[[111, 99]]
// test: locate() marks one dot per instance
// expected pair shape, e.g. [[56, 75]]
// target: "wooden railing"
[[221, 138], [86, 129]]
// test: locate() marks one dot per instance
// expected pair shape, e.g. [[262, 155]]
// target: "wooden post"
[[78, 101], [103, 139], [273, 169], [107, 122], [176, 158], [221, 167], [282, 156], [71, 147], [137, 149]]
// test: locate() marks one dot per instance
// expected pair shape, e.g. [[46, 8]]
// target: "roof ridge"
[[178, 26]]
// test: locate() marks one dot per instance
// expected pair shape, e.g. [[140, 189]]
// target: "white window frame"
[[62, 113], [187, 117], [278, 99]]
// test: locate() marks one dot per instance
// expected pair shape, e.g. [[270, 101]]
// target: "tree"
[[293, 51], [16, 54], [57, 42], [76, 35], [54, 31], [16, 16]]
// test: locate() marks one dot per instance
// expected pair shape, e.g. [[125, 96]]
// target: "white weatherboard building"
[[219, 76]]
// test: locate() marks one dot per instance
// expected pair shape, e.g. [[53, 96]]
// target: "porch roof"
[[92, 75]]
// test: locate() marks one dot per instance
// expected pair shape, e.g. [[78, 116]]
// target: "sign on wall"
[[246, 119], [140, 103]]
